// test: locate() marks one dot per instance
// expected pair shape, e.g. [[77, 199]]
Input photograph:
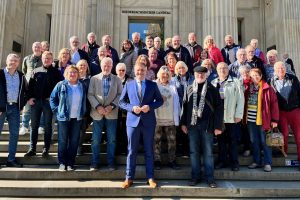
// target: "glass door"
[[153, 27]]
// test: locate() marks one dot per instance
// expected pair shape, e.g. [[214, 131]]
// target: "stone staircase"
[[40, 177]]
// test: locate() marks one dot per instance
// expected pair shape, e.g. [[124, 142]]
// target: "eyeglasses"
[[121, 70]]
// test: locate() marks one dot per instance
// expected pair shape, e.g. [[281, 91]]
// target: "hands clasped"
[[104, 110], [137, 109]]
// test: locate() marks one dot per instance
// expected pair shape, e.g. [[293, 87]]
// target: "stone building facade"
[[275, 23]]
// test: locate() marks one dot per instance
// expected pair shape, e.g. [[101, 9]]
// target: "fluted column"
[[220, 19], [175, 18], [3, 5], [68, 19], [288, 29], [187, 16], [105, 18]]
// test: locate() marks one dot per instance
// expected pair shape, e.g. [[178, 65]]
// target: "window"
[[153, 27]]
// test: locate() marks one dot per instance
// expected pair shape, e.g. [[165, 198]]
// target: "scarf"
[[259, 105], [197, 110]]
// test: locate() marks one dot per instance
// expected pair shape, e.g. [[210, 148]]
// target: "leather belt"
[[11, 103]]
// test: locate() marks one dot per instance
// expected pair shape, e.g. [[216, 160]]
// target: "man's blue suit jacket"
[[130, 98]]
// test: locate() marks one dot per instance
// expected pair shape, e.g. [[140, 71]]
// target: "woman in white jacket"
[[167, 117], [231, 93]]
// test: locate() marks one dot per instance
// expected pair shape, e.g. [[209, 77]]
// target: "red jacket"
[[270, 110], [215, 55]]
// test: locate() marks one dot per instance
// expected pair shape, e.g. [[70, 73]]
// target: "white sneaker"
[[41, 130], [23, 130]]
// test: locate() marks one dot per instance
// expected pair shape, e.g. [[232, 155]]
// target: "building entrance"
[[153, 27]]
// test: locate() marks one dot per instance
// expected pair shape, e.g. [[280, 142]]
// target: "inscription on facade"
[[150, 12]]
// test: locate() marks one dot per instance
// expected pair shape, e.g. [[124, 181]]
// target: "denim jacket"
[[60, 101]]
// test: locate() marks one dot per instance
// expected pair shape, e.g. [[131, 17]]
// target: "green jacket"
[[234, 99]]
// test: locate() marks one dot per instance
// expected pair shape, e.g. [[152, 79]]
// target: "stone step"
[[5, 136], [5, 127], [24, 145], [167, 188], [82, 172], [121, 160]]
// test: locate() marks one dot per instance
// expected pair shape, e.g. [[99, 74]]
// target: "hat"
[[200, 69]]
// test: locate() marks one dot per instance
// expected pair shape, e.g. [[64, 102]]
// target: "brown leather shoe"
[[152, 183], [127, 183]]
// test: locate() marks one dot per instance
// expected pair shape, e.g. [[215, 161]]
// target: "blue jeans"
[[68, 141], [258, 141], [111, 127], [228, 144], [41, 106], [26, 117], [12, 115], [201, 141]]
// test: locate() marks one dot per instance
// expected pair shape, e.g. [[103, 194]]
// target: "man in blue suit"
[[139, 98]]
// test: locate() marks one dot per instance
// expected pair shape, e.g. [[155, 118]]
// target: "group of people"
[[191, 95]]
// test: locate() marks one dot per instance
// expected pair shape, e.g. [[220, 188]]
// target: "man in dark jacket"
[[137, 42], [193, 47], [149, 43], [287, 89], [202, 118], [230, 50], [255, 62], [76, 53], [110, 52], [91, 44], [181, 52], [41, 84], [13, 86], [160, 51]]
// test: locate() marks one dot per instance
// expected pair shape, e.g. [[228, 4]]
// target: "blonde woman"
[[68, 102], [213, 51], [167, 117], [64, 60], [168, 43]]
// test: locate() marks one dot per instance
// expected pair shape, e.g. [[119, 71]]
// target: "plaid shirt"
[[106, 85]]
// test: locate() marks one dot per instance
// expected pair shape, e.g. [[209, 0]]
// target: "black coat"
[[184, 56], [256, 62], [294, 97], [290, 62], [214, 118], [83, 55], [43, 81], [22, 99], [115, 58]]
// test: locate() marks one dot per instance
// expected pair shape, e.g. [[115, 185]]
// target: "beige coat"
[[96, 97]]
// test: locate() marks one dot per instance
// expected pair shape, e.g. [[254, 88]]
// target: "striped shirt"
[[12, 85], [252, 104]]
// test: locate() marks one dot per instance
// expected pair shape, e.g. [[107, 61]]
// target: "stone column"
[[287, 29], [68, 19], [105, 18], [220, 19], [3, 5], [187, 16], [175, 18]]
